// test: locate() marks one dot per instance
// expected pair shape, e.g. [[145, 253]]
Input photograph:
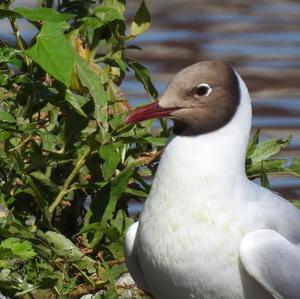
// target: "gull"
[[207, 231]]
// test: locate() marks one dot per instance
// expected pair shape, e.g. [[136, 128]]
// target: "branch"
[[67, 183], [19, 42]]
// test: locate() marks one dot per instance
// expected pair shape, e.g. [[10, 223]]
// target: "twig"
[[24, 142], [19, 42], [116, 262], [67, 184]]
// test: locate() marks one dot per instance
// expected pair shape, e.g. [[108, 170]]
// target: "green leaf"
[[92, 23], [6, 13], [141, 21], [295, 167], [93, 82], [116, 249], [112, 292], [267, 149], [253, 143], [276, 166], [76, 101], [296, 203], [6, 253], [118, 5], [119, 222], [45, 181], [6, 117], [53, 52], [108, 14], [118, 186], [159, 141], [67, 250], [40, 199], [137, 193], [21, 249], [118, 270], [263, 177], [113, 234], [52, 143], [142, 74], [7, 54], [42, 14], [102, 209], [111, 159]]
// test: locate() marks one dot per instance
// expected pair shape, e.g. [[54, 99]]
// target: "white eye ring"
[[203, 90]]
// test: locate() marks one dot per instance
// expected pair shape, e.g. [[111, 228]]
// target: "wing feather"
[[273, 262]]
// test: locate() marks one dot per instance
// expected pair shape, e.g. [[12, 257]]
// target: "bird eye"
[[203, 90]]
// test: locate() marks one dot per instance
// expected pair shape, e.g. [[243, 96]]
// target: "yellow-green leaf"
[[141, 21]]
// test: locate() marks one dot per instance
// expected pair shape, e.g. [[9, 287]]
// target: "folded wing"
[[273, 262]]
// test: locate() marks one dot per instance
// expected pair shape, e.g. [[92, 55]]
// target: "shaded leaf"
[[52, 143], [116, 249], [118, 270], [118, 186], [93, 82], [111, 159], [103, 207], [44, 180], [7, 54], [113, 234], [40, 199], [263, 177], [6, 13], [142, 74]]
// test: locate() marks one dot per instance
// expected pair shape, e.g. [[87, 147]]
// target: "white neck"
[[215, 157]]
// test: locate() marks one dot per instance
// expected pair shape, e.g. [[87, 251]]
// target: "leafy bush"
[[68, 164]]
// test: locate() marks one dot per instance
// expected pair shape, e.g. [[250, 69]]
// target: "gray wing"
[[131, 258], [273, 262]]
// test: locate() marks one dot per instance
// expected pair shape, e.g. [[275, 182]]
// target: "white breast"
[[192, 223]]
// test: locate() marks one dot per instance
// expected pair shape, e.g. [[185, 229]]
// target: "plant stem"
[[19, 42], [24, 142], [67, 183]]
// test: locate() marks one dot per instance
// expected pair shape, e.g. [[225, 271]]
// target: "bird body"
[[192, 239]]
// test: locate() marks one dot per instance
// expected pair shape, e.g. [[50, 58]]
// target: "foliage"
[[259, 164], [68, 164]]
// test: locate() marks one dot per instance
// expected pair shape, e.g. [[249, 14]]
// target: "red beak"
[[149, 111]]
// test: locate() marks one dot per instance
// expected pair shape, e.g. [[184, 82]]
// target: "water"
[[261, 39]]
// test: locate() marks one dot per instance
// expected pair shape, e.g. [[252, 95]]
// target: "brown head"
[[200, 99]]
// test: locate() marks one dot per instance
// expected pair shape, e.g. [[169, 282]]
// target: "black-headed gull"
[[206, 231]]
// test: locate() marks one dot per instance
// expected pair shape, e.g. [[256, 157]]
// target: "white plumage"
[[206, 231]]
